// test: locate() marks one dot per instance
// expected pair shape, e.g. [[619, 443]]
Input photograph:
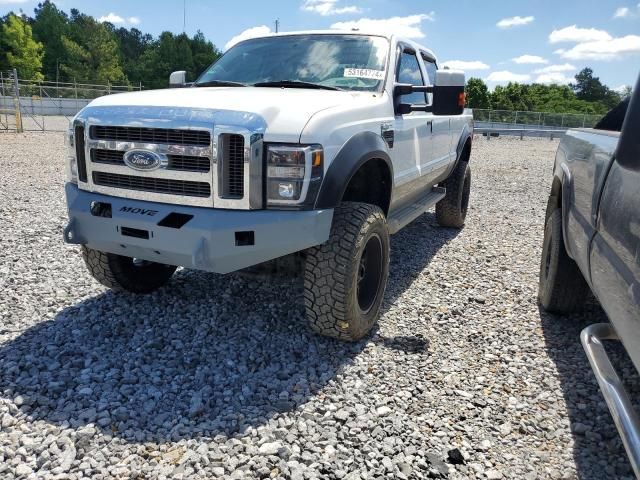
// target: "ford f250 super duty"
[[592, 240], [322, 143]]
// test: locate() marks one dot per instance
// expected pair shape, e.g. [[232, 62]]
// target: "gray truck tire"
[[124, 273], [451, 211], [561, 288], [345, 277]]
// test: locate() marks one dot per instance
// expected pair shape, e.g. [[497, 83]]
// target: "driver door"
[[412, 132]]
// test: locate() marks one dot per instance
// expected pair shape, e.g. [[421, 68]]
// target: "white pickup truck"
[[316, 143]]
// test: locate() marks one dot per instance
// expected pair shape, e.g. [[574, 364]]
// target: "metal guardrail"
[[520, 132]]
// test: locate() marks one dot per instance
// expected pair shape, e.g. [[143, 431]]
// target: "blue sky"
[[497, 40]]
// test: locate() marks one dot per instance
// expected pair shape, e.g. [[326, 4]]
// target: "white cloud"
[[622, 88], [576, 34], [118, 20], [622, 12], [554, 77], [529, 59], [515, 21], [408, 26], [626, 12], [252, 32], [609, 49], [565, 67], [504, 76], [466, 65], [328, 7], [9, 2]]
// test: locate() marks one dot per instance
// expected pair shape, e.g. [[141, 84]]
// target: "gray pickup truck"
[[592, 240]]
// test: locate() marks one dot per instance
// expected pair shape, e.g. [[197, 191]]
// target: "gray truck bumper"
[[215, 240]]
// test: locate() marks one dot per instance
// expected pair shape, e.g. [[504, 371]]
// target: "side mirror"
[[628, 149], [178, 79], [448, 93]]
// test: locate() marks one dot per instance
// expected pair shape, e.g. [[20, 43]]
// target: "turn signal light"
[[461, 99]]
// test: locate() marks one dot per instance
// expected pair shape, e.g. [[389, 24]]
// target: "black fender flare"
[[358, 150], [467, 134]]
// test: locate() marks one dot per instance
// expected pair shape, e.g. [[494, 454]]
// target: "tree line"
[[56, 46], [587, 95]]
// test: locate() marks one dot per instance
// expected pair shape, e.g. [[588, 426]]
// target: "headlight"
[[71, 165], [293, 174]]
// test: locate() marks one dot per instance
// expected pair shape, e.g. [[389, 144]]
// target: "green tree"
[[477, 94], [22, 52], [515, 96], [176, 52], [91, 52], [132, 45], [204, 53], [591, 89], [588, 87], [49, 26]]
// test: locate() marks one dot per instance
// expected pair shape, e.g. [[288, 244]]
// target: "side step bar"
[[624, 416], [409, 213]]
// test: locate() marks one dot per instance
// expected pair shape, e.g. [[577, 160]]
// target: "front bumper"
[[214, 240]]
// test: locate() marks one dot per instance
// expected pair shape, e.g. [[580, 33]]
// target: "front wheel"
[[125, 273], [345, 277], [561, 288]]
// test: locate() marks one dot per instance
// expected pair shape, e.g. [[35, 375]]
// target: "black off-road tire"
[[561, 288], [451, 211], [343, 293], [124, 274]]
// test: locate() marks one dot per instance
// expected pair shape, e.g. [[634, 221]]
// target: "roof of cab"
[[388, 36]]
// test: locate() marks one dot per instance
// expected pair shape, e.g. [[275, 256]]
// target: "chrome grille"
[[232, 166], [196, 168], [155, 185], [186, 163], [151, 135]]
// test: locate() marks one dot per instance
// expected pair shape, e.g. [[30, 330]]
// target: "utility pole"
[[184, 16], [277, 24]]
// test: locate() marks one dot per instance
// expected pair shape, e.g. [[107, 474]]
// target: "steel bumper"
[[215, 240]]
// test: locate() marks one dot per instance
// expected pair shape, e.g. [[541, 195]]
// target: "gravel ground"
[[215, 376]]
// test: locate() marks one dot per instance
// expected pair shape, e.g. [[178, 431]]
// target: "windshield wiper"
[[294, 84], [220, 83]]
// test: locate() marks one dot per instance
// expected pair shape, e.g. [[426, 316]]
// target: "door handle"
[[430, 123]]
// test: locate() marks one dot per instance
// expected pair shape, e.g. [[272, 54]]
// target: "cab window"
[[409, 72]]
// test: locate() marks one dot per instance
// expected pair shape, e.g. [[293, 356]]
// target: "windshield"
[[349, 62]]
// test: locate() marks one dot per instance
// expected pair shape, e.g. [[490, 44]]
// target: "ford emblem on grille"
[[142, 159]]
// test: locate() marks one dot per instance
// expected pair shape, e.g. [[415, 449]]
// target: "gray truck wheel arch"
[[359, 149]]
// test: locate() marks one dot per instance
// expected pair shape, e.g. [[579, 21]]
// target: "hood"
[[283, 111]]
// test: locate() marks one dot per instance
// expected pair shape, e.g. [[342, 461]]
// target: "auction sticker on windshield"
[[364, 73]]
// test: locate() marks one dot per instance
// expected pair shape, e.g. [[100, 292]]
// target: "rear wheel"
[[561, 288], [125, 273], [345, 277], [451, 211]]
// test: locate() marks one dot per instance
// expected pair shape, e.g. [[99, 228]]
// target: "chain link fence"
[[28, 105], [540, 120], [33, 105]]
